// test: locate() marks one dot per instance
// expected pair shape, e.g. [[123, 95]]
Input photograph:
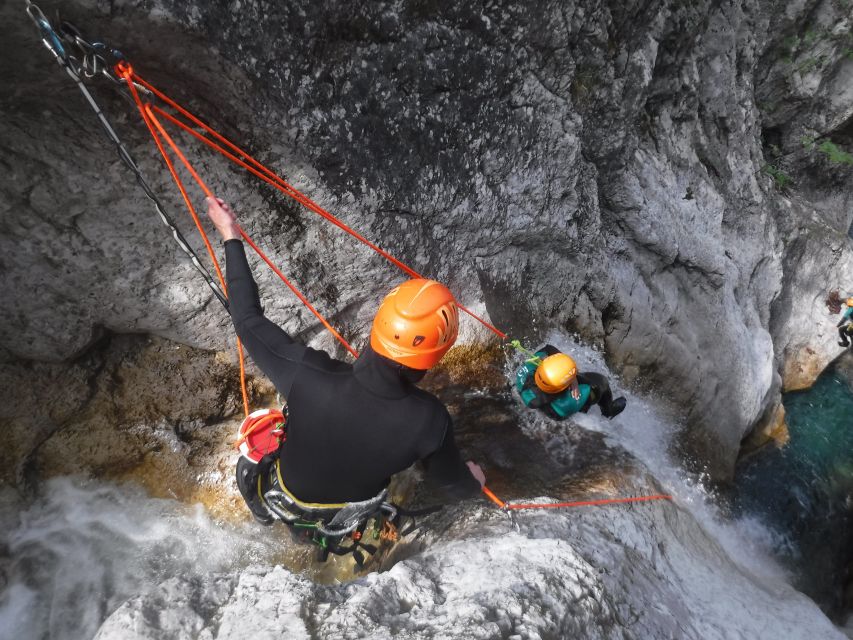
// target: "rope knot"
[[124, 70]]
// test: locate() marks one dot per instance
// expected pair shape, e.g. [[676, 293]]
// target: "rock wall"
[[132, 406], [614, 170]]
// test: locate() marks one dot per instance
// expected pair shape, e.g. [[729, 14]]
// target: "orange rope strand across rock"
[[561, 505], [125, 72], [270, 177], [253, 166], [245, 236]]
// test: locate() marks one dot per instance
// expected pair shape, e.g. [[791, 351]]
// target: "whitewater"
[[89, 559]]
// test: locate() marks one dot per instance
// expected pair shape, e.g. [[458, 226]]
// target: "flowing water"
[[677, 570], [804, 490], [76, 553], [648, 435]]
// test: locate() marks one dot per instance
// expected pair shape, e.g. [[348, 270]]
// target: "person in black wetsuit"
[[350, 427], [845, 325]]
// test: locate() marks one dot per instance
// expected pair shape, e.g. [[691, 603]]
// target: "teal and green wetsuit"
[[593, 387], [556, 405], [845, 328]]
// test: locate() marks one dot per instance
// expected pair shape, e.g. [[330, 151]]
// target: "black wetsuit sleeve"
[[445, 468], [277, 354]]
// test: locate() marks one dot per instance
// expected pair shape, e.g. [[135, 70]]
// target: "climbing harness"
[[338, 529], [261, 432]]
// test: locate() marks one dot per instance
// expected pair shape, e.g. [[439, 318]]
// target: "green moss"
[[780, 178], [789, 48], [834, 153], [585, 81]]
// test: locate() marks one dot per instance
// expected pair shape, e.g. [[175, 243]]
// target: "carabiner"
[[48, 35]]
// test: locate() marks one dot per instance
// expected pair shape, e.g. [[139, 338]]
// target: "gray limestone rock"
[[624, 574], [602, 168]]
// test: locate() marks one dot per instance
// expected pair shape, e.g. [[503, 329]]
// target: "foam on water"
[[82, 548]]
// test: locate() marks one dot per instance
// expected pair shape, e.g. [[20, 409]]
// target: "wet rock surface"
[[132, 407], [844, 365]]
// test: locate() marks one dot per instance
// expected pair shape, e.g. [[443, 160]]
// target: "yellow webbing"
[[304, 505]]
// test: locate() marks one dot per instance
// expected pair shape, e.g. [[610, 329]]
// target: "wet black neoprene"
[[350, 426]]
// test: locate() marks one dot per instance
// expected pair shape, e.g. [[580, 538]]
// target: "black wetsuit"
[[845, 331], [350, 426]]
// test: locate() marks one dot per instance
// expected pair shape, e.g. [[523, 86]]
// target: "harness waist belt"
[[332, 518]]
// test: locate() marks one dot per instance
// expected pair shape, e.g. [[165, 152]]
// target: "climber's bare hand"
[[223, 218], [477, 472]]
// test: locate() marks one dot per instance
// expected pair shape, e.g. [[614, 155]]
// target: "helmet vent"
[[418, 340]]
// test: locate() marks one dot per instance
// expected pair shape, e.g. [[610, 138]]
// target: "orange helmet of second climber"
[[416, 324], [850, 302], [555, 373]]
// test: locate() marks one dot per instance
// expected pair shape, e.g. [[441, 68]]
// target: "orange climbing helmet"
[[555, 373], [416, 324], [850, 302]]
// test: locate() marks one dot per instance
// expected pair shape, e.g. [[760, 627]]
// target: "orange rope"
[[263, 422], [301, 297], [279, 183], [245, 236], [126, 72], [259, 170], [581, 503], [491, 496]]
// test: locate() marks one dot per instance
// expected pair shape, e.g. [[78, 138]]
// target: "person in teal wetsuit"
[[845, 325], [551, 382]]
